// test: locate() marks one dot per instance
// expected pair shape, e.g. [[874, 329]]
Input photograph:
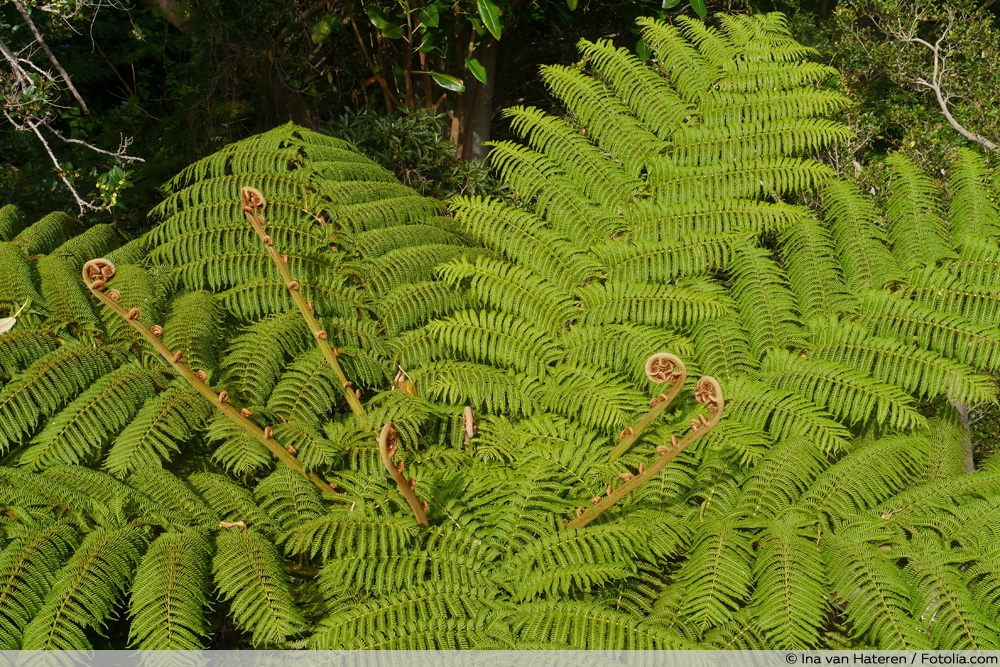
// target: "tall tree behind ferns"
[[668, 212]]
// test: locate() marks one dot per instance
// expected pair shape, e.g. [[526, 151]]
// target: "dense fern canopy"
[[180, 447]]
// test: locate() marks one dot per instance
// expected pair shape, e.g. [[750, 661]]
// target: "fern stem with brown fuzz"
[[386, 448], [660, 368], [253, 207], [708, 393], [96, 274]]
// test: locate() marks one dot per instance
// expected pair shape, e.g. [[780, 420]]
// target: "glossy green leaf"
[[429, 16], [699, 8], [670, 4], [377, 18], [448, 82], [476, 69], [571, 4], [323, 28], [642, 50], [392, 31], [490, 14]]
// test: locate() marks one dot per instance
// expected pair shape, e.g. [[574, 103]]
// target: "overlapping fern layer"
[[676, 208]]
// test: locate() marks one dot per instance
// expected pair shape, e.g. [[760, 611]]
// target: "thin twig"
[[52, 58], [940, 70]]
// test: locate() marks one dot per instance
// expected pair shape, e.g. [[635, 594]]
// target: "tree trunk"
[[481, 115]]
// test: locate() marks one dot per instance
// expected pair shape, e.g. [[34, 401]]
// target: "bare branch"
[[55, 63], [33, 126], [939, 54], [121, 153]]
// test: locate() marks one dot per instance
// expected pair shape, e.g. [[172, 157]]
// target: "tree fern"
[[85, 589], [678, 207], [169, 593], [248, 573]]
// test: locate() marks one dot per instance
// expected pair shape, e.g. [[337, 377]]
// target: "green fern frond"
[[577, 560], [790, 581], [498, 339], [512, 289], [942, 600], [159, 429], [651, 221], [65, 298], [139, 290], [248, 573], [657, 305], [47, 384], [430, 616], [308, 390], [636, 86], [716, 577], [915, 370], [943, 291], [624, 347], [595, 396], [230, 269], [764, 300], [254, 359], [535, 178], [663, 260], [12, 221], [686, 70], [407, 306], [28, 564], [21, 347], [743, 179], [229, 500], [289, 500], [866, 262], [236, 450], [950, 335], [722, 347], [80, 431], [86, 589], [176, 500], [706, 144], [96, 241], [770, 105], [599, 178], [814, 275], [782, 414], [342, 533], [972, 211], [890, 464], [876, 597], [522, 506], [47, 234], [451, 557], [484, 387], [918, 234], [522, 238], [775, 484], [588, 626], [978, 262], [607, 120], [842, 390], [20, 282], [191, 327], [409, 265], [169, 593]]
